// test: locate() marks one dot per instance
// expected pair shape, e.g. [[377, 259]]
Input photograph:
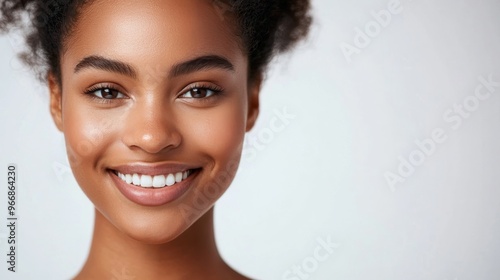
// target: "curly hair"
[[267, 28]]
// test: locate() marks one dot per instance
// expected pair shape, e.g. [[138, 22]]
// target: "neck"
[[192, 255]]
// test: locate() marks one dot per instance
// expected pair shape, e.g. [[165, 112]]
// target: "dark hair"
[[267, 27]]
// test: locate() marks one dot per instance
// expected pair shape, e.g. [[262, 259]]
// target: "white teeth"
[[170, 180], [136, 179], [178, 177], [146, 181], [128, 178], [157, 181]]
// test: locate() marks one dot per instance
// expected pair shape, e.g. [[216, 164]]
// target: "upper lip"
[[152, 169]]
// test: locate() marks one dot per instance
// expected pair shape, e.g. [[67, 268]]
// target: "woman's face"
[[154, 106]]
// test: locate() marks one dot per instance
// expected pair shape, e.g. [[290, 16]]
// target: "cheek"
[[87, 133], [219, 137], [219, 132]]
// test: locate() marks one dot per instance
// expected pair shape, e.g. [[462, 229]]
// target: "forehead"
[[152, 31]]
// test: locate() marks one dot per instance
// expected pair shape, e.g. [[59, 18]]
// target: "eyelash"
[[217, 91], [90, 93]]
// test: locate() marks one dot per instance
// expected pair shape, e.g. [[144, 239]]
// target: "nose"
[[151, 127]]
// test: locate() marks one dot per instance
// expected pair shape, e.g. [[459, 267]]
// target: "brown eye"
[[199, 93], [107, 93]]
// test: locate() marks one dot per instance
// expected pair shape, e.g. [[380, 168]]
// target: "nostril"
[[152, 142]]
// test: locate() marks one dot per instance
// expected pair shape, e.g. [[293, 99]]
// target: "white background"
[[322, 176]]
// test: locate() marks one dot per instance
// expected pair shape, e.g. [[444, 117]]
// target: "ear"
[[55, 100], [253, 101]]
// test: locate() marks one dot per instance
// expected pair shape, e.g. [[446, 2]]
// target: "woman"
[[154, 99]]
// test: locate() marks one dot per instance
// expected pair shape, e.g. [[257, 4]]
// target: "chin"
[[151, 232]]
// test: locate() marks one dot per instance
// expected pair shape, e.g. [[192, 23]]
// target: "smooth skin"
[[144, 110]]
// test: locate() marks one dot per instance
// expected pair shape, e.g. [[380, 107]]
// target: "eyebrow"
[[201, 63], [99, 62], [196, 64]]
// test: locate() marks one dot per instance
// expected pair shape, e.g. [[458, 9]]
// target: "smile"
[[154, 181], [153, 184]]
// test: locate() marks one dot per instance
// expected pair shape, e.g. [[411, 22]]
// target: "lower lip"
[[153, 196]]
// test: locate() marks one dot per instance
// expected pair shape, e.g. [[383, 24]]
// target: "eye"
[[106, 93], [200, 92]]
